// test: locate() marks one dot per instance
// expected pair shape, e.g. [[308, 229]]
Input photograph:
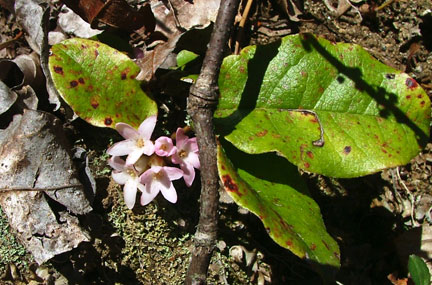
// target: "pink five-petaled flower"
[[158, 179], [164, 146], [136, 143], [129, 177], [186, 155]]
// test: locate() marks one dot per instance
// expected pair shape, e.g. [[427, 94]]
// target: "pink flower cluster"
[[145, 166]]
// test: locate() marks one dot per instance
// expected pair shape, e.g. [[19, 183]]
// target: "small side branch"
[[202, 101]]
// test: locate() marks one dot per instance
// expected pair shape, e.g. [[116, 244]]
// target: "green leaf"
[[418, 270], [99, 84], [184, 57], [271, 188], [278, 97]]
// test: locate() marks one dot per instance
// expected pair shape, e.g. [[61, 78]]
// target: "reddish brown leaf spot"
[[313, 246], [411, 83], [276, 136], [303, 73], [73, 83], [108, 121], [81, 80], [422, 103], [347, 149], [267, 230], [307, 165], [223, 167], [288, 243], [94, 103], [419, 96], [96, 53], [59, 70], [408, 97], [132, 76], [310, 154], [262, 133], [383, 150], [229, 184], [125, 73]]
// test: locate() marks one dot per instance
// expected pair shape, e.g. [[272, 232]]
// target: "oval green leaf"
[[184, 57], [99, 84], [271, 188], [279, 97], [418, 270]]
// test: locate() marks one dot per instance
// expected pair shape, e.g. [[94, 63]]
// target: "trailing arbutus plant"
[[301, 102]]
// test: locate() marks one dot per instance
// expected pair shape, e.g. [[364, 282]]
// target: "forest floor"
[[378, 220]]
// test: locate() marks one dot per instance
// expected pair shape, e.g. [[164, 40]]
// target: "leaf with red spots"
[[271, 188], [98, 82], [279, 97]]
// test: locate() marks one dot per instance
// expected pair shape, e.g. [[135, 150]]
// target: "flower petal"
[[188, 174], [181, 138], [129, 192], [192, 159], [169, 193], [146, 128], [134, 156], [120, 177], [117, 163], [164, 146], [175, 158], [193, 144], [147, 195], [147, 177], [173, 173], [126, 131], [121, 148], [148, 148]]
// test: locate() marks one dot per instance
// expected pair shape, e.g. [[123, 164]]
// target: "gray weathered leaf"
[[7, 97], [34, 156]]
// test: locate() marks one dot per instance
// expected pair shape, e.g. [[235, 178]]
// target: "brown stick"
[[202, 101]]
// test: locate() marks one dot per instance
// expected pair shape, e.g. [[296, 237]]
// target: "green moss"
[[158, 251], [10, 250], [154, 249]]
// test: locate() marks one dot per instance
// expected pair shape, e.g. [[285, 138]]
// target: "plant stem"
[[202, 101]]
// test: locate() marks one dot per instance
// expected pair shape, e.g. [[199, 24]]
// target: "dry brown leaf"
[[114, 13], [292, 8], [195, 14], [395, 281], [34, 155], [174, 18]]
